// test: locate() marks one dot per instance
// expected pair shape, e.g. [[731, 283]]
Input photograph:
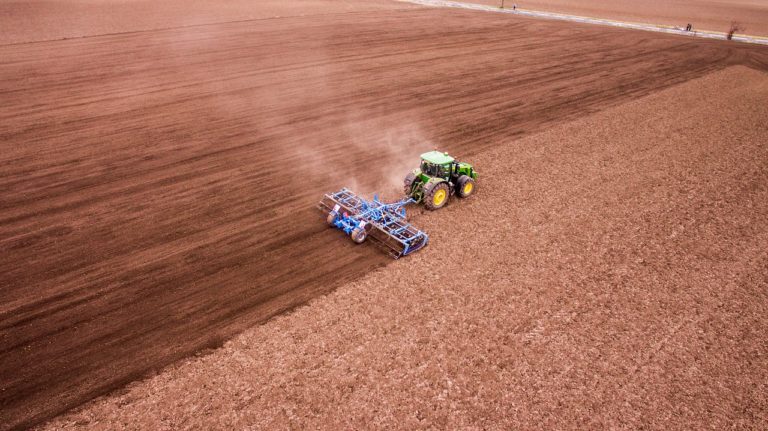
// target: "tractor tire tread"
[[461, 184], [429, 192]]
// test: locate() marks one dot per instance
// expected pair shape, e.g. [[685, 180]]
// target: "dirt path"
[[610, 273], [713, 15], [157, 187], [653, 27]]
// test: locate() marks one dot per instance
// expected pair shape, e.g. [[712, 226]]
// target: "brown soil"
[[156, 188], [713, 15], [610, 273], [38, 20]]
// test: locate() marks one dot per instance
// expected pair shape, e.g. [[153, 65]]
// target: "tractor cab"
[[437, 165]]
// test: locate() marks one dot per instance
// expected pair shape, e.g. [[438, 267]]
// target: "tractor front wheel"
[[436, 197], [465, 186]]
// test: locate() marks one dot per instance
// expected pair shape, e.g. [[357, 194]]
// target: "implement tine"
[[386, 223]]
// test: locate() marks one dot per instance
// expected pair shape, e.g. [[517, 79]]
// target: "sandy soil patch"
[[610, 272], [713, 15]]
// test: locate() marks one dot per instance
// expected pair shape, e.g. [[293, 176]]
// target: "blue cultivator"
[[384, 223]]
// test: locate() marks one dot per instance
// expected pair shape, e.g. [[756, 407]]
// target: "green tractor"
[[438, 177]]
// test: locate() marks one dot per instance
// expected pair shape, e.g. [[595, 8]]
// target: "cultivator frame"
[[384, 223]]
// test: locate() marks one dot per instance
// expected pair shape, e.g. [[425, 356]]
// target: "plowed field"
[[610, 273], [157, 187]]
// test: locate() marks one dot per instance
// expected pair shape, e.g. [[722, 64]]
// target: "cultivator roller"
[[383, 223]]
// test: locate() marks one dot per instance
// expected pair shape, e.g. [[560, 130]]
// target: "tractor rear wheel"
[[410, 179], [358, 235], [465, 186], [436, 196]]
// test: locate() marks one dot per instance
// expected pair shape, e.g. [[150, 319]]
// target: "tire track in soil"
[[158, 188]]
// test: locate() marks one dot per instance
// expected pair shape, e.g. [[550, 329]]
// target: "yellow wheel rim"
[[468, 188], [439, 197]]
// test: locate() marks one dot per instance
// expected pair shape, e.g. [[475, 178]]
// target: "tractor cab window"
[[430, 169], [434, 170]]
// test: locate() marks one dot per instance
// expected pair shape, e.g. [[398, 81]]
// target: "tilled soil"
[[24, 21], [609, 273], [157, 188]]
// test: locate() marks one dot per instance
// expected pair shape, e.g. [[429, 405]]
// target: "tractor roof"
[[437, 157]]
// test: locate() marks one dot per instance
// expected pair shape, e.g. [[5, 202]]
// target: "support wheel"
[[465, 186], [331, 219], [436, 197], [359, 235]]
